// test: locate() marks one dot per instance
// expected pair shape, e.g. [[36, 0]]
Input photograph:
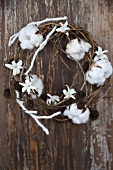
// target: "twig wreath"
[[73, 42]]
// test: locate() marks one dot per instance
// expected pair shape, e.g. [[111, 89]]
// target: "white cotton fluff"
[[106, 66], [76, 50], [95, 76], [76, 115], [101, 70], [28, 37], [82, 118], [36, 82]]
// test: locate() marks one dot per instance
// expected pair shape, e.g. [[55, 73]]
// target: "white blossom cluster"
[[77, 115], [33, 83], [100, 70], [54, 99], [76, 49]]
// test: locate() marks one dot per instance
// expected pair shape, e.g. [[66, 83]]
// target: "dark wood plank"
[[23, 145]]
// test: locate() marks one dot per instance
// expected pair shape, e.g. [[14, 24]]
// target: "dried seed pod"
[[7, 93], [80, 105], [17, 86], [80, 94], [86, 66], [30, 103], [94, 114]]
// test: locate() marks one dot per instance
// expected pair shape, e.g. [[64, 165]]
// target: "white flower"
[[28, 37], [69, 93], [16, 67], [76, 49], [63, 28], [37, 83], [27, 86], [52, 99], [100, 54], [77, 115]]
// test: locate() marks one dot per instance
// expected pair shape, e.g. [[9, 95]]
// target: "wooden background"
[[23, 145]]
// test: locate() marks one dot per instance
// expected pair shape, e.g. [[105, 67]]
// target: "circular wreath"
[[73, 43]]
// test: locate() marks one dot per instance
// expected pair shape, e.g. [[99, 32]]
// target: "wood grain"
[[23, 145]]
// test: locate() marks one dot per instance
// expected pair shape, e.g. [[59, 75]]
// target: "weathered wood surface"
[[23, 145]]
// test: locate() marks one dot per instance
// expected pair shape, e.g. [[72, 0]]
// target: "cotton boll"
[[30, 30], [73, 47], [106, 66], [36, 39], [76, 49], [28, 37], [84, 117], [25, 44], [95, 76]]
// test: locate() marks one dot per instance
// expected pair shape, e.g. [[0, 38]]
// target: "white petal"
[[9, 66], [48, 101], [49, 95], [72, 97], [66, 24], [28, 90], [105, 51], [97, 53], [72, 91], [96, 58], [99, 49], [19, 63], [65, 92], [17, 70], [24, 89], [14, 72], [14, 63]]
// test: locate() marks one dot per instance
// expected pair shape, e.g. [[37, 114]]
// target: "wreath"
[[74, 44]]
